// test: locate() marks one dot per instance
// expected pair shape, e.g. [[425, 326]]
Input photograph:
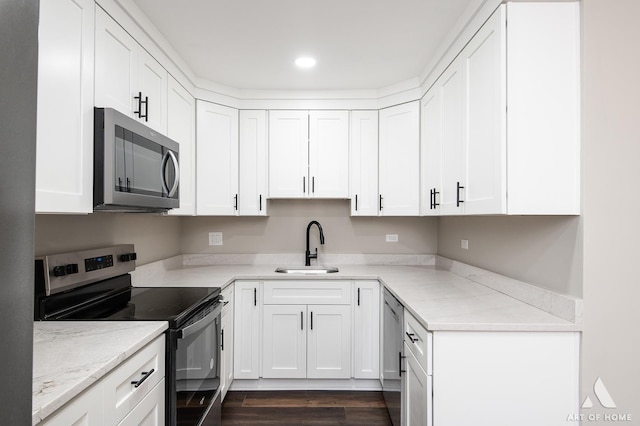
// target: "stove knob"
[[59, 271], [72, 268], [128, 257]]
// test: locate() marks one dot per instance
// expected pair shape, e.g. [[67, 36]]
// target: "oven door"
[[197, 368]]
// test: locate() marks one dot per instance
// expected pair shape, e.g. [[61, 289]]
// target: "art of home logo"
[[605, 400]]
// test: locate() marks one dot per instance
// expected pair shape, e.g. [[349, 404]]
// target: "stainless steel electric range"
[[96, 285]]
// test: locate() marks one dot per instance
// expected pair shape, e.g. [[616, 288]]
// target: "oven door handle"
[[202, 323]]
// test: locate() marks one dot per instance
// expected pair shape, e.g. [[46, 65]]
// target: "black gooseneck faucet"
[[308, 255]]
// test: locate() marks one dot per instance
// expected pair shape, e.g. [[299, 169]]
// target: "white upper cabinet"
[[64, 155], [127, 78], [308, 154], [508, 110], [399, 160], [329, 154], [181, 127], [363, 163], [252, 199], [217, 159], [288, 154]]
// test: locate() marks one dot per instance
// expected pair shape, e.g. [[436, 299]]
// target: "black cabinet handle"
[[128, 185], [236, 202], [380, 202], [146, 109], [458, 200], [304, 184], [139, 99], [260, 202], [301, 320], [222, 339], [400, 358], [431, 199], [312, 320], [356, 202], [358, 296], [145, 376], [255, 297], [412, 337], [313, 184], [435, 200]]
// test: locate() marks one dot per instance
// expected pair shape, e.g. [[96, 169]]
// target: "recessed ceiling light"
[[305, 62]]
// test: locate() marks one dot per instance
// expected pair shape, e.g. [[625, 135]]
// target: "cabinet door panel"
[[485, 70], [217, 159], [246, 321], [399, 151], [152, 82], [115, 65], [418, 393], [64, 155], [366, 329], [329, 154], [253, 164], [430, 153], [288, 154], [150, 411], [284, 342], [363, 159], [181, 125], [329, 342]]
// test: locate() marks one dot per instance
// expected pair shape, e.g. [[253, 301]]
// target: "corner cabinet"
[[64, 155], [217, 159], [127, 78], [399, 160], [252, 198], [308, 154], [181, 127], [363, 163], [500, 127]]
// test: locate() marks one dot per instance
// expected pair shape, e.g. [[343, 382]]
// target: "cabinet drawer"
[[307, 292], [150, 411], [419, 341], [120, 394]]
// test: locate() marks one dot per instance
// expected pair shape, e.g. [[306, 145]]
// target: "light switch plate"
[[392, 238], [215, 238], [464, 244]]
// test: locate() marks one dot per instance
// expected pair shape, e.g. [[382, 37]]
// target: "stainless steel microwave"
[[136, 169]]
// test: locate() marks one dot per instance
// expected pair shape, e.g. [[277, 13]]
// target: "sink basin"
[[307, 270]]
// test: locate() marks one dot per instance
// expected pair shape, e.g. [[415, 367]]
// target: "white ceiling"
[[252, 44]]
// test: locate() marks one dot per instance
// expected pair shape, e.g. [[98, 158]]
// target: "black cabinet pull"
[[313, 184], [458, 200], [412, 337], [381, 202], [400, 358], [301, 320], [304, 184], [128, 185], [356, 202], [146, 109], [139, 99], [145, 376], [358, 296], [120, 184], [312, 320], [431, 199], [235, 206], [255, 297], [260, 202], [435, 200], [222, 339]]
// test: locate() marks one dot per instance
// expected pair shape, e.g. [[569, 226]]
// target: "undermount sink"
[[308, 270]]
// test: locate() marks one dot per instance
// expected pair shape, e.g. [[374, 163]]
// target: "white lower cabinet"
[[366, 330], [284, 342], [132, 394], [226, 340], [246, 323], [418, 389]]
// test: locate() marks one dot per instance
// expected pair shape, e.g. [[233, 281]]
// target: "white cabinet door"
[[64, 155], [329, 154], [152, 84], [418, 393], [288, 154], [252, 199], [116, 65], [150, 411], [181, 127], [246, 324], [85, 410], [400, 160], [430, 153], [483, 60], [454, 179], [366, 330], [284, 342], [217, 159], [329, 342], [363, 161], [226, 341]]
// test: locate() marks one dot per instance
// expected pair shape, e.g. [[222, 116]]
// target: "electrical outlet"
[[464, 244], [215, 238], [392, 238]]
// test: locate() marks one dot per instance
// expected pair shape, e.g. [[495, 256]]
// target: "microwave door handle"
[[170, 155]]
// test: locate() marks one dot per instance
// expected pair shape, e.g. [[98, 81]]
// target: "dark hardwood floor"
[[304, 408]]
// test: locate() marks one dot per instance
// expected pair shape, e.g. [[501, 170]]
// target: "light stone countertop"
[[439, 298], [70, 356]]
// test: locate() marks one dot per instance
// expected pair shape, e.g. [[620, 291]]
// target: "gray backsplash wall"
[[155, 237], [283, 231], [542, 250]]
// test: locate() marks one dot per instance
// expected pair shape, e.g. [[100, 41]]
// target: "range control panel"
[[70, 270]]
